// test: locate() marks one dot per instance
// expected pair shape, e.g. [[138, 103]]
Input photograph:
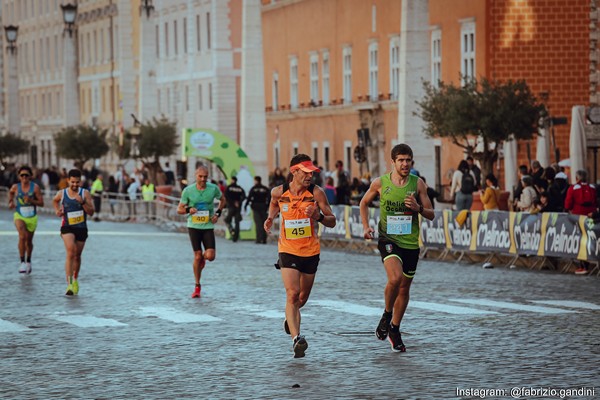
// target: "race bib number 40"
[[75, 217], [298, 228], [399, 224], [201, 217]]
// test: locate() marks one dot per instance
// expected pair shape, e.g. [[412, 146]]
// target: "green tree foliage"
[[81, 143], [157, 138], [12, 145], [491, 111]]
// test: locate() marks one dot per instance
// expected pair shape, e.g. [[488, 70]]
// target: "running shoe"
[[69, 291], [578, 271], [196, 292], [384, 326], [300, 346], [396, 341], [23, 268], [28, 267], [286, 327], [75, 286]]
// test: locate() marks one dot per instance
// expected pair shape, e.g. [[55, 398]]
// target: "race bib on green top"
[[399, 224], [201, 217]]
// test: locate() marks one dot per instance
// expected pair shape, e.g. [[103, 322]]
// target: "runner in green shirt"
[[403, 197], [197, 200]]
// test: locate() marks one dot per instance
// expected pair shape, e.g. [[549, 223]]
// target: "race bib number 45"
[[399, 224], [75, 217], [201, 217], [298, 228]]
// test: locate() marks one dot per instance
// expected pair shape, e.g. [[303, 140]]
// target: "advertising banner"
[[563, 235], [340, 231], [492, 231], [526, 231], [592, 245], [432, 233], [459, 237]]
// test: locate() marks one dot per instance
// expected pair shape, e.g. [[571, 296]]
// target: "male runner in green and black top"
[[198, 201], [398, 232]]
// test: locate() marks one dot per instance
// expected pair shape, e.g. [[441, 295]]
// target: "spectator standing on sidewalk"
[[148, 195], [198, 201], [24, 197], [476, 172], [302, 206], [96, 191], [463, 186], [73, 204], [403, 196], [113, 189], [258, 198], [490, 197], [581, 200], [235, 195]]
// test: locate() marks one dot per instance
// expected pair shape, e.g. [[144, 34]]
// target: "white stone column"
[[14, 117], [127, 74], [414, 67], [224, 114], [148, 104], [253, 135], [71, 80], [542, 150]]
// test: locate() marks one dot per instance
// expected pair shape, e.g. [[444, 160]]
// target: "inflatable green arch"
[[229, 157]]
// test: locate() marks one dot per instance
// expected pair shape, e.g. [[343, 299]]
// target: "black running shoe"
[[286, 327], [384, 326], [300, 346], [396, 342]]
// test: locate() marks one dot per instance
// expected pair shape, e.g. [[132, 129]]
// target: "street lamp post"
[[69, 16], [14, 117], [71, 75], [11, 32]]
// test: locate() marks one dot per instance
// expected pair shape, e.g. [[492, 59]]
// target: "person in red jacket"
[[581, 200]]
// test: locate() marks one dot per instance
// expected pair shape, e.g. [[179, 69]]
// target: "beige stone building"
[[180, 59]]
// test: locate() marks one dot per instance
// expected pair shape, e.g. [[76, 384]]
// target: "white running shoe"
[[23, 268], [28, 267]]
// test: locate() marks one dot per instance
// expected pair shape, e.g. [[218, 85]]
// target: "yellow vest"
[[148, 192]]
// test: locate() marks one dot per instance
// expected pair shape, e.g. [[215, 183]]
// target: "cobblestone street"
[[134, 332]]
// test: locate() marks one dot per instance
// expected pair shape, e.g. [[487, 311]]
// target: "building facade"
[[333, 67], [178, 59]]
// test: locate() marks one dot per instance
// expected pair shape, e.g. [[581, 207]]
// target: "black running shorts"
[[202, 237], [306, 265], [408, 257], [81, 234]]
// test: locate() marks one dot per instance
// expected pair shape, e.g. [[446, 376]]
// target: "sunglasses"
[[24, 175]]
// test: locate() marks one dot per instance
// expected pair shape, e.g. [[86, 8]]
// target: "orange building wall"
[[545, 42], [299, 28], [448, 20]]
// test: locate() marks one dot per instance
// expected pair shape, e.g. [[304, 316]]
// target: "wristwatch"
[[421, 209], [321, 217]]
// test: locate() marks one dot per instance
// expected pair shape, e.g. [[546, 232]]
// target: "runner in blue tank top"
[[402, 198], [24, 197], [73, 205]]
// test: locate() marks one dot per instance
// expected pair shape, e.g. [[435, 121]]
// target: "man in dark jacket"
[[235, 195], [258, 198]]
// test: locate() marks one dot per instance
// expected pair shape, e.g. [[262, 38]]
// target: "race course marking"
[[7, 326], [513, 306], [179, 317], [449, 309], [88, 321]]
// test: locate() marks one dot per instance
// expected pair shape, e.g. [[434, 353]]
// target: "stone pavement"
[[134, 332]]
